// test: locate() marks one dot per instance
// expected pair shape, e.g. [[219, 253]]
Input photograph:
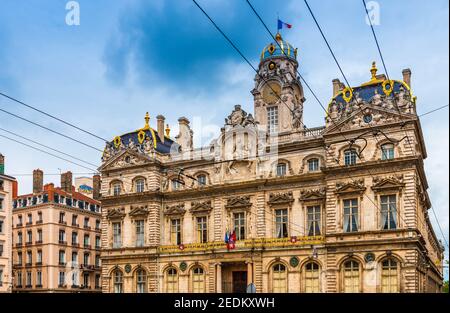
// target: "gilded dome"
[[280, 48]]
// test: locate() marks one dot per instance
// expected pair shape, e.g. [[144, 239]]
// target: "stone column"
[[249, 273], [219, 278]]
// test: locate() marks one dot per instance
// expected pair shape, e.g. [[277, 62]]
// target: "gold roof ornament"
[[278, 37], [147, 120], [374, 70], [167, 130]]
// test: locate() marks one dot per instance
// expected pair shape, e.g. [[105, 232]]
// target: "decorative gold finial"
[[167, 130], [374, 70], [147, 120], [278, 37]]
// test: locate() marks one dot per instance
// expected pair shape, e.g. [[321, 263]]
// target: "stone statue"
[[297, 115]]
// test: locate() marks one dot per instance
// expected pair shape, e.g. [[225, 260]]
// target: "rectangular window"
[[281, 223], [38, 278], [117, 235], [272, 119], [175, 231], [116, 189], [19, 258], [97, 242], [74, 258], [29, 279], [389, 212], [30, 219], [281, 169], [202, 229], [97, 281], [239, 225], [19, 238], [97, 260], [350, 215], [97, 224], [350, 157], [86, 222], [39, 257], [19, 279], [74, 220], [29, 236], [86, 259], [62, 257], [1, 227], [140, 184], [39, 235], [62, 236], [86, 279], [62, 279], [39, 217], [313, 221], [313, 165], [29, 257], [86, 241], [1, 277], [387, 152], [61, 217], [139, 233]]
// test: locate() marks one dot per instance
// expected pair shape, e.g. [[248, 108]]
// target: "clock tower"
[[278, 93]]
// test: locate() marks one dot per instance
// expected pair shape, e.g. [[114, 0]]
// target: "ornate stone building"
[[338, 208], [56, 238]]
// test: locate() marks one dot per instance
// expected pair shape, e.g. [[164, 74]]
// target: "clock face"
[[271, 92]]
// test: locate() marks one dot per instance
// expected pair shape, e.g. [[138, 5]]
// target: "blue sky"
[[163, 56]]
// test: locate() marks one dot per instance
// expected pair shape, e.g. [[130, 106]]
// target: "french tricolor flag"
[[282, 24]]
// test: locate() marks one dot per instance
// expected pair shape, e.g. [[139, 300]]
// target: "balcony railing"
[[87, 227], [38, 242], [63, 222], [62, 242], [19, 244], [39, 222]]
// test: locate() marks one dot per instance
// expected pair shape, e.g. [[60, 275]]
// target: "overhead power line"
[[43, 151], [50, 130], [434, 110], [45, 146], [52, 116]]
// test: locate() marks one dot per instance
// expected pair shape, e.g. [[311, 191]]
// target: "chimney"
[[407, 76], [15, 189], [2, 164], [160, 126], [96, 184], [337, 86], [38, 181], [66, 182], [184, 137]]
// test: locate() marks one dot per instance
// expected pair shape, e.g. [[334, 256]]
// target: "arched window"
[[139, 185], [141, 281], [389, 276], [279, 278], [201, 180], [351, 277], [281, 169], [387, 151], [117, 281], [312, 282], [171, 280], [176, 184], [198, 280], [350, 156], [313, 165]]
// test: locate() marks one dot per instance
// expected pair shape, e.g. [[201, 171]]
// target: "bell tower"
[[278, 93]]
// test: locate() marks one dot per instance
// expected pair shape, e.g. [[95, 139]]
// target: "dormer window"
[[350, 156], [387, 151], [313, 165], [281, 169]]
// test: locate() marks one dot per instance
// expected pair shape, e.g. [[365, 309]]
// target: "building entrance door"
[[239, 281]]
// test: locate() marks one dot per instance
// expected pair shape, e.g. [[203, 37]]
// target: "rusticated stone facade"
[[339, 208]]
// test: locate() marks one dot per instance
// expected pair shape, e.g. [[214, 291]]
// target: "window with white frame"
[[313, 165], [29, 279], [62, 279], [198, 280], [39, 257], [171, 280], [139, 233], [387, 151], [313, 220], [62, 257], [281, 169], [350, 215], [38, 278], [118, 281], [272, 119], [19, 279], [350, 156], [239, 225], [140, 185], [201, 180], [312, 277], [388, 211], [117, 189], [281, 223], [176, 184], [141, 281], [117, 234]]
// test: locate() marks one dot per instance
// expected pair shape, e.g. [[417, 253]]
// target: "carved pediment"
[[312, 194], [239, 117], [177, 209], [386, 183], [363, 115], [238, 203], [116, 214], [139, 211], [356, 186], [281, 198], [201, 207], [124, 159]]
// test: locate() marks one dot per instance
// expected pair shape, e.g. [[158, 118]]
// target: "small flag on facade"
[[282, 24]]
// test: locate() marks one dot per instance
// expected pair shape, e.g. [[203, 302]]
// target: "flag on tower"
[[282, 24]]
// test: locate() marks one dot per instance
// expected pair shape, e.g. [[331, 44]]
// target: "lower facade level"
[[309, 269]]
